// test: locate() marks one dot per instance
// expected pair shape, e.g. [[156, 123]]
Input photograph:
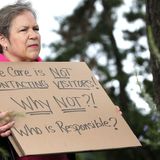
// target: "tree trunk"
[[153, 32]]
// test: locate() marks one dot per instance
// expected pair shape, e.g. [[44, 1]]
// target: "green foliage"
[[151, 129], [151, 41], [4, 153], [88, 35]]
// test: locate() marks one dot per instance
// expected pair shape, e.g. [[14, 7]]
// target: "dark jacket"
[[6, 146]]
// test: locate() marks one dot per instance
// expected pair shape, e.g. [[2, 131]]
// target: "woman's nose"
[[33, 34]]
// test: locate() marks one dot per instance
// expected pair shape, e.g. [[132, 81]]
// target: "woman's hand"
[[6, 123], [118, 110]]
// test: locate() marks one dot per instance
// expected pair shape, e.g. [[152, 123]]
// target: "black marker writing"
[[81, 127], [50, 129], [75, 103], [89, 100], [95, 82], [2, 74], [15, 85], [33, 106], [38, 72], [28, 131], [74, 84], [60, 73], [69, 104], [18, 72]]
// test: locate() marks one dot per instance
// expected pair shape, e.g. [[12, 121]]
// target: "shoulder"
[[39, 59], [3, 58]]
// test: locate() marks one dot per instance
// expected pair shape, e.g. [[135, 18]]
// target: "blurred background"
[[118, 39]]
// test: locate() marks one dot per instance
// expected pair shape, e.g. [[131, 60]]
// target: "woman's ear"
[[3, 41], [2, 37]]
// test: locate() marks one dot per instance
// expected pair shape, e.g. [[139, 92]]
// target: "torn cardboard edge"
[[21, 153], [16, 146]]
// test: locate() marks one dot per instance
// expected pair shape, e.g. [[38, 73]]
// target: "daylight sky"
[[46, 11]]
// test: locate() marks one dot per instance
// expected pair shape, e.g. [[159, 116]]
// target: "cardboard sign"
[[63, 107]]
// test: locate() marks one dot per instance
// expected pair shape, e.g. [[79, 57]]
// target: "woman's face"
[[24, 40]]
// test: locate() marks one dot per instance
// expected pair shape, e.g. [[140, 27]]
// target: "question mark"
[[88, 97], [115, 122]]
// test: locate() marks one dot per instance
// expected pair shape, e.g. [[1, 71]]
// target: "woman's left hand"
[[118, 110]]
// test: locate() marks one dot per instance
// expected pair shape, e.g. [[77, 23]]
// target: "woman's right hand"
[[6, 123]]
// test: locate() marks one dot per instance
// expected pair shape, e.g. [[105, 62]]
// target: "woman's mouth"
[[33, 45]]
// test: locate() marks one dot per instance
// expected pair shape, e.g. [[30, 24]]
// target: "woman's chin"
[[33, 56]]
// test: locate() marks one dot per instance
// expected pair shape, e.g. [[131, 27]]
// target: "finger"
[[2, 114], [6, 127], [5, 134], [5, 117], [117, 107], [118, 110]]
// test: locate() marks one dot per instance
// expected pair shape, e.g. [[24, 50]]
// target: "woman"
[[19, 41]]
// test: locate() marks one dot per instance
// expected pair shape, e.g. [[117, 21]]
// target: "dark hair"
[[9, 12]]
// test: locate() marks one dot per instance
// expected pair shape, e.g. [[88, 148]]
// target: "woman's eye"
[[36, 29], [23, 30]]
